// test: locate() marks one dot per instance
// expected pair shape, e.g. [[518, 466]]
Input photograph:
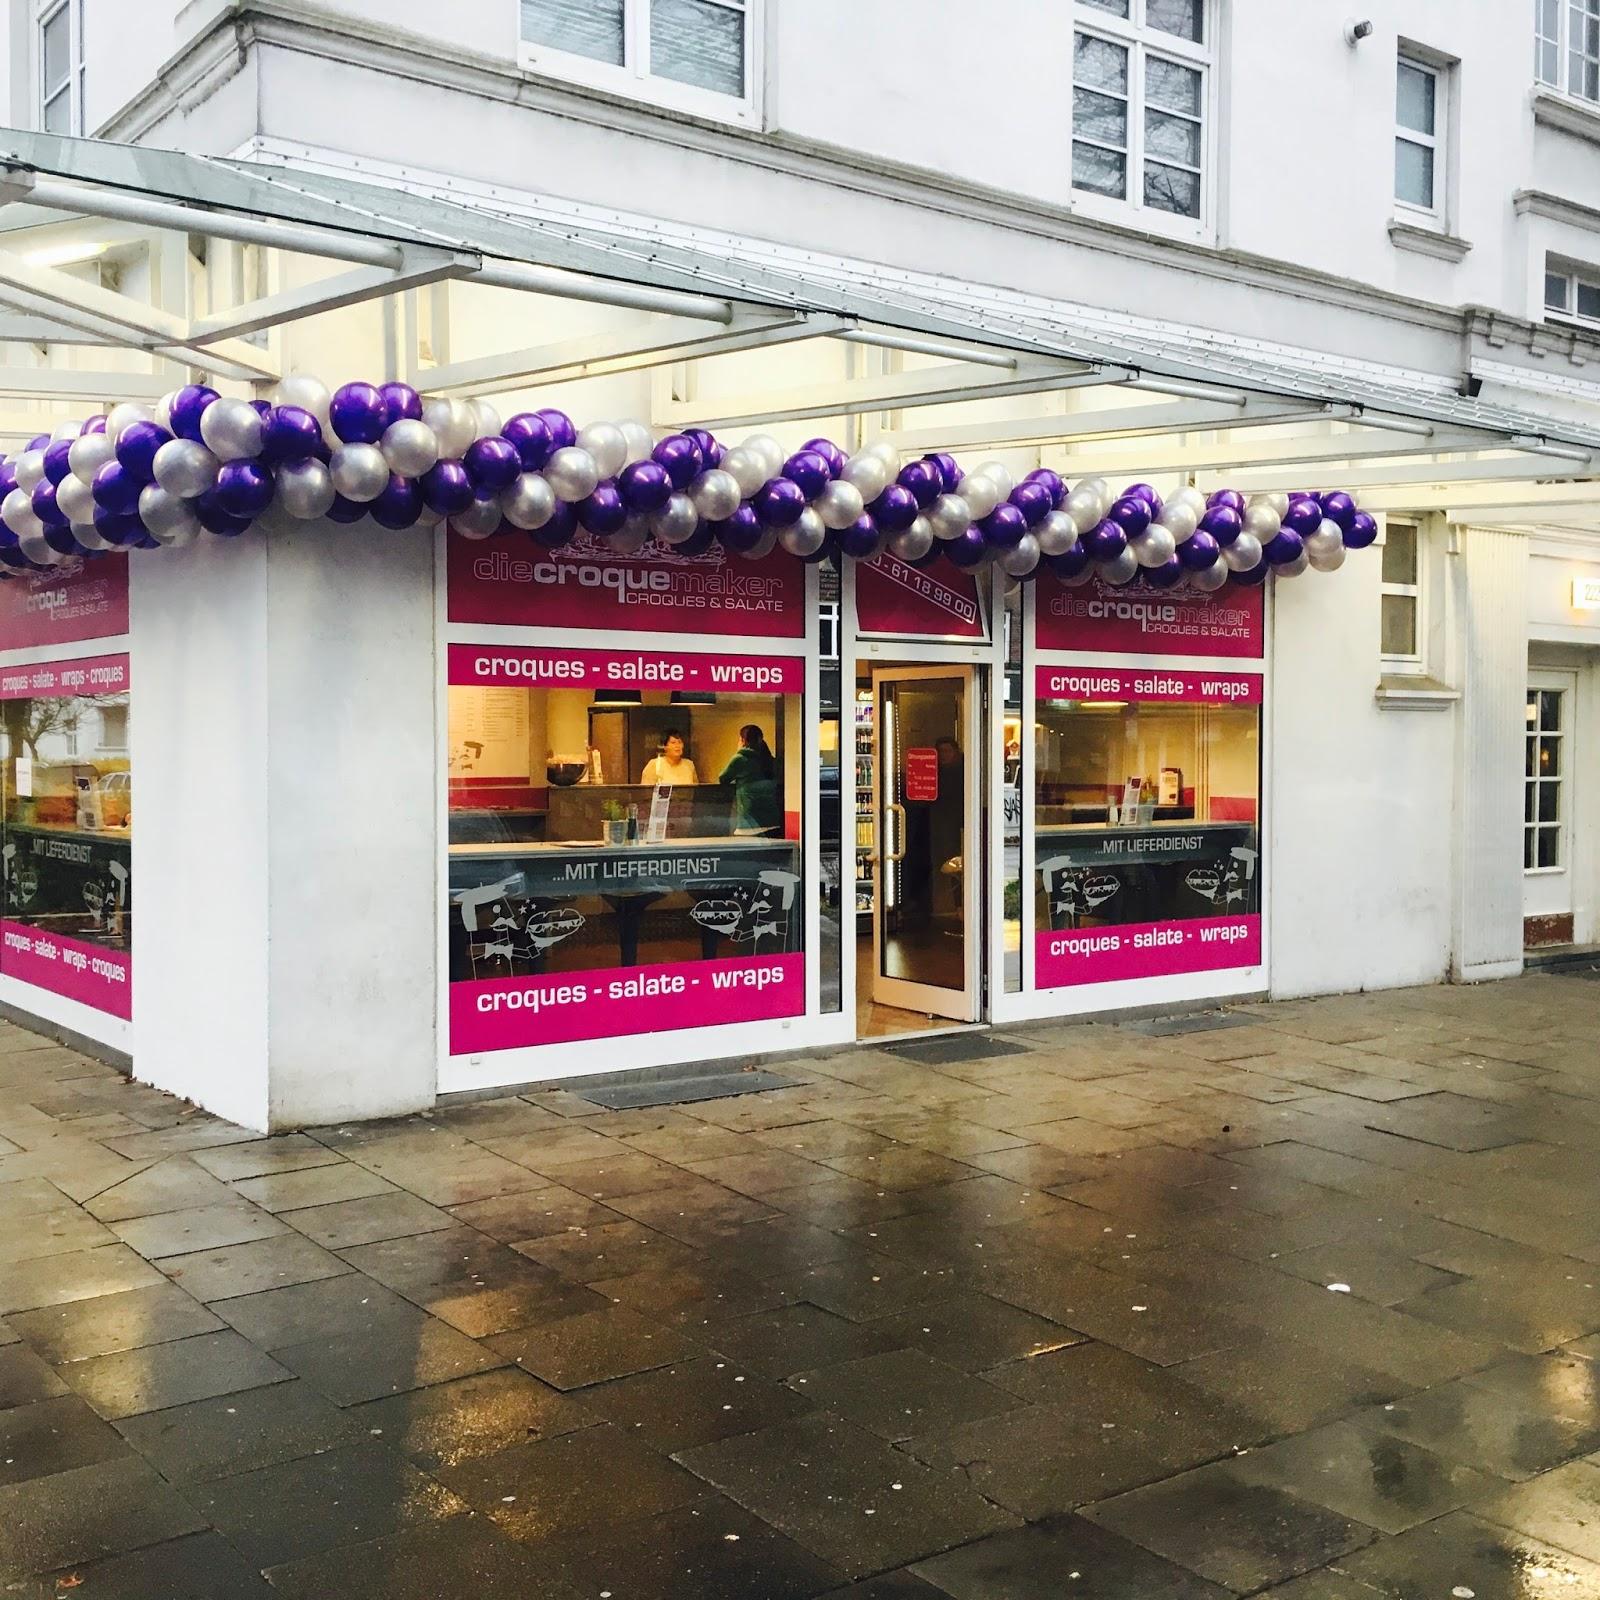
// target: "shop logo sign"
[[748, 916]]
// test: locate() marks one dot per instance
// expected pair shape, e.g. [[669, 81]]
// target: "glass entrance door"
[[926, 914], [1547, 812]]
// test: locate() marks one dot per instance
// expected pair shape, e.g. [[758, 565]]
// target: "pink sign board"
[[1067, 957], [922, 774], [54, 680], [1147, 683], [515, 583], [510, 666], [507, 1013], [903, 601], [88, 973], [68, 603], [1136, 620]]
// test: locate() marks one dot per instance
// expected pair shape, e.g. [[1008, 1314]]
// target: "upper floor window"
[[1140, 103], [60, 50], [1571, 291], [1418, 138], [1566, 46], [696, 55]]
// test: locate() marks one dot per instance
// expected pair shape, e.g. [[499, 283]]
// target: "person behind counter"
[[671, 765], [752, 773]]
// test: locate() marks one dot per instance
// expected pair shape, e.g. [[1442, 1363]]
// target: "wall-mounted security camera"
[[1355, 32]]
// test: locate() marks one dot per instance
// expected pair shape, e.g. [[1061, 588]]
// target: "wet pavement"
[[1307, 1305]]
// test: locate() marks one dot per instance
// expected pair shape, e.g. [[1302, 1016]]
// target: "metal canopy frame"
[[1100, 393]]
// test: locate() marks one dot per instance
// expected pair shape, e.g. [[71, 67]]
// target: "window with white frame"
[[1572, 291], [1566, 46], [1419, 145], [1402, 591], [60, 53], [696, 54], [1140, 88]]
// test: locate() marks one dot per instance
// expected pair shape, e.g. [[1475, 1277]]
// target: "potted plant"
[[613, 829]]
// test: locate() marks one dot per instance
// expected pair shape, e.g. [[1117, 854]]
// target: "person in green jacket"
[[753, 775]]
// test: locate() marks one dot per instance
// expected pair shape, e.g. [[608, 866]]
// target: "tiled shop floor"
[[1307, 1306]]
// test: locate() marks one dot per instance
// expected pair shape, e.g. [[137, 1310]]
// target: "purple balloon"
[[1257, 574], [1282, 547], [1054, 487], [895, 509], [603, 511], [829, 451], [56, 464], [1362, 531], [95, 424], [1070, 562], [492, 463], [187, 405], [399, 503], [1303, 516], [925, 481], [1004, 526], [116, 488], [446, 488], [559, 426], [39, 441], [120, 527], [59, 537], [1168, 575], [8, 479], [1147, 493], [680, 457], [401, 403], [1105, 542], [1231, 498], [645, 486], [697, 543], [966, 550], [358, 413], [559, 530], [289, 434], [243, 488], [1033, 501], [949, 470], [530, 438], [137, 447], [741, 531], [1339, 508], [44, 504], [343, 510], [1223, 523], [778, 503], [810, 471], [861, 539], [1131, 515], [1199, 552], [710, 450]]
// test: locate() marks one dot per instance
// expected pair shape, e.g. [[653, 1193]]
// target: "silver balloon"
[[185, 467], [481, 520], [530, 502], [360, 473], [33, 544], [1056, 534], [17, 512], [949, 516], [88, 453], [887, 453], [1191, 497], [1078, 578], [310, 394], [1243, 554], [305, 489], [839, 504], [715, 494], [1179, 519], [1279, 502], [1322, 560], [748, 469], [29, 467], [90, 537], [63, 431], [1293, 569], [454, 424], [1021, 558], [1209, 579], [676, 520], [485, 419], [169, 520], [163, 413], [763, 546], [769, 450], [125, 415], [409, 446], [572, 473], [1261, 520], [630, 538], [1001, 474], [913, 543], [427, 517], [806, 536], [1154, 547], [1084, 508], [868, 473], [1123, 570], [606, 442], [1326, 536], [640, 439], [231, 429], [75, 499], [981, 492]]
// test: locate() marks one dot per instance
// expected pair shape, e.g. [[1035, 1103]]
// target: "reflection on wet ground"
[[1307, 1306]]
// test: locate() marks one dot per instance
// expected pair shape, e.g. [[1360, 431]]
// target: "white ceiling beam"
[[1494, 496], [1314, 449], [930, 386], [78, 387], [924, 345], [653, 344], [334, 294], [1444, 474], [17, 328]]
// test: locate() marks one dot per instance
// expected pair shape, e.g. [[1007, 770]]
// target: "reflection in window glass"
[[699, 42], [1544, 807], [591, 28]]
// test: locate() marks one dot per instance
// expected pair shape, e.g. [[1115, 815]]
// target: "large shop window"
[[1147, 823], [66, 830], [625, 843]]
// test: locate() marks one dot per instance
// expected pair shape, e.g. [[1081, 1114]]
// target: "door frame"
[[1567, 681], [929, 999]]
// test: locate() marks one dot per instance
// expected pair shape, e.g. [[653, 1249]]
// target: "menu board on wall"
[[898, 600], [512, 582], [1136, 620], [83, 600]]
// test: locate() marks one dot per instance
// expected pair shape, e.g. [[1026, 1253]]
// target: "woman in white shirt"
[[671, 766]]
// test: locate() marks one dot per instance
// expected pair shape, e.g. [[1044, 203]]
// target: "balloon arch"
[[144, 477]]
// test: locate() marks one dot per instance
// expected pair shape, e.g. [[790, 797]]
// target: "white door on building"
[[1549, 778]]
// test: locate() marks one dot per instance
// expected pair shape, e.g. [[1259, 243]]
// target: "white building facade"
[[1222, 243]]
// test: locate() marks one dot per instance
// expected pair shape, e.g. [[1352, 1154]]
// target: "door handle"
[[900, 831]]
